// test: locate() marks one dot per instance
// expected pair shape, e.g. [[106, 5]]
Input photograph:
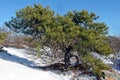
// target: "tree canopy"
[[3, 36], [76, 31]]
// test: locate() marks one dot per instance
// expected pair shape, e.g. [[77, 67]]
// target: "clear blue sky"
[[108, 10]]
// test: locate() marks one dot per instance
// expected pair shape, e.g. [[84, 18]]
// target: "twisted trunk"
[[67, 57]]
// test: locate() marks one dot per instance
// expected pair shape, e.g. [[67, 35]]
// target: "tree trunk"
[[67, 57]]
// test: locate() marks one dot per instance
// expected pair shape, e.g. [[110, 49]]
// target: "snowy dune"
[[14, 66], [14, 71]]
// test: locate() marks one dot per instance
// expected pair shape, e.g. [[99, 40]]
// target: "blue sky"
[[108, 10]]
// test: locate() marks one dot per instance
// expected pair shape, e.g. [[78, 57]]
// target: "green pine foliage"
[[3, 36], [75, 31], [96, 64]]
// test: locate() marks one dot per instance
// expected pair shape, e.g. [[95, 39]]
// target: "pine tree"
[[3, 36], [72, 32]]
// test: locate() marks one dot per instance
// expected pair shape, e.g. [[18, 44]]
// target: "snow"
[[104, 59], [13, 71], [15, 66], [17, 52], [112, 59]]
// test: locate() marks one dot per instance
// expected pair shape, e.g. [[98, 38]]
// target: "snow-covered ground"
[[15, 66], [104, 59], [112, 59]]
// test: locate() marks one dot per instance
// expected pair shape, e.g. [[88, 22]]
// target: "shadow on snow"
[[17, 59]]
